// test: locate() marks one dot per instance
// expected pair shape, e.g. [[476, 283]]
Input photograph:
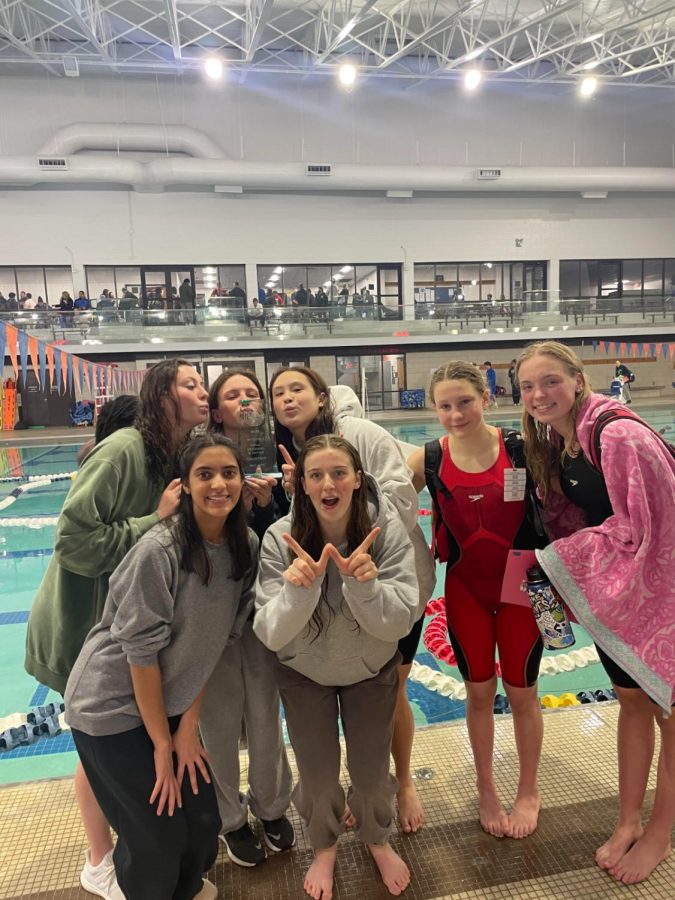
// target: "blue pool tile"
[[60, 743], [14, 618], [39, 696]]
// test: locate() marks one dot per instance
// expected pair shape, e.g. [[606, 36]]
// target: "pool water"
[[25, 552]]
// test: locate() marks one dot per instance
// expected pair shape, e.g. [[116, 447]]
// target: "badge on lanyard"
[[515, 481]]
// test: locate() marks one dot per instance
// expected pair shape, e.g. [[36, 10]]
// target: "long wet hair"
[[305, 525], [544, 451], [217, 427], [323, 423], [115, 414], [156, 428], [457, 370], [192, 552]]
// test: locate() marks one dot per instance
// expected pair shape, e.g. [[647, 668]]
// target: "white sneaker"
[[208, 892], [101, 879]]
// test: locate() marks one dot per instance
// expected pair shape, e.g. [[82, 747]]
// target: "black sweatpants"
[[156, 857]]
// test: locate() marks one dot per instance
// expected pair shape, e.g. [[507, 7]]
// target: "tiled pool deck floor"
[[42, 843]]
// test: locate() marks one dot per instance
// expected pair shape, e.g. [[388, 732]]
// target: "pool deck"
[[32, 437], [42, 843]]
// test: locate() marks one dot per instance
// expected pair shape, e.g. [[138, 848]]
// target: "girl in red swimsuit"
[[475, 527]]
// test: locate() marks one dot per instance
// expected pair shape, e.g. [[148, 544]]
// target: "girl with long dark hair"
[[119, 494], [336, 592], [243, 689], [134, 695], [304, 406]]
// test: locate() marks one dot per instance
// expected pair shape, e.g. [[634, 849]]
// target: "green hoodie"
[[110, 505]]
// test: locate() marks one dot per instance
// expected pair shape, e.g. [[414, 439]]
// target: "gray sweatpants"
[[243, 688], [366, 710]]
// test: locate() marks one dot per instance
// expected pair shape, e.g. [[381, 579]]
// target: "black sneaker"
[[244, 847], [279, 834]]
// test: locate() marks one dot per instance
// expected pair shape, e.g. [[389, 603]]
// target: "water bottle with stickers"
[[549, 611]]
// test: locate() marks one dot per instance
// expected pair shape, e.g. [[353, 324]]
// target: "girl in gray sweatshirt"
[[133, 698], [336, 591]]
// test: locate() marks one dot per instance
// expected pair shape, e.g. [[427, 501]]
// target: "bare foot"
[[492, 814], [348, 818], [395, 874], [641, 860], [410, 812], [622, 839], [524, 816], [319, 878]]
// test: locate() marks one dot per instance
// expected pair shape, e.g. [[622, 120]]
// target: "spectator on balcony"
[[256, 314], [238, 296], [65, 303], [82, 302], [300, 297], [41, 304], [29, 303]]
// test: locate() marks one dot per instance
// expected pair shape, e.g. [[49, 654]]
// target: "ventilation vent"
[[53, 163], [489, 173], [319, 168], [71, 67]]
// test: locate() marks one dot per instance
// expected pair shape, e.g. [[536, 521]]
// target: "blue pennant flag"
[[606, 343], [69, 372], [595, 346], [57, 371], [652, 349], [42, 356], [665, 350], [3, 342], [23, 355]]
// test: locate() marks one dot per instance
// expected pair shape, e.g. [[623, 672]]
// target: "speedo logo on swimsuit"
[[474, 497], [573, 482]]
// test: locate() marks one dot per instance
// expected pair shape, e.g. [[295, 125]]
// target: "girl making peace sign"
[[333, 610]]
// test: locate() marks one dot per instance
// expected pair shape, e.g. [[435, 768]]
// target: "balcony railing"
[[538, 311]]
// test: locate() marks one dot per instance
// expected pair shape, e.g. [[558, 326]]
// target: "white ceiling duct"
[[125, 136], [207, 168]]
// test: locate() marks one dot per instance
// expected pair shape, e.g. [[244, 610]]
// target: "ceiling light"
[[489, 265], [472, 79], [346, 269], [593, 64], [213, 68], [347, 74], [156, 340], [475, 53], [588, 86], [208, 270], [274, 278], [278, 270]]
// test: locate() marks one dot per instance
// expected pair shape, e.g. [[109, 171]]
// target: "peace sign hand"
[[287, 470], [359, 564], [303, 571]]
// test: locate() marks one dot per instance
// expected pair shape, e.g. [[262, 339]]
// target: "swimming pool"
[[25, 550]]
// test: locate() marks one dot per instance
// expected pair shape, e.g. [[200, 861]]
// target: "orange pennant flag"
[[64, 370], [34, 359], [12, 337], [76, 372], [50, 364]]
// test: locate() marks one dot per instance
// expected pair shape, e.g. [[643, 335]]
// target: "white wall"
[[312, 119], [119, 227]]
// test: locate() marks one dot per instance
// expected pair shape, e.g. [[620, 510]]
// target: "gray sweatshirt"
[[362, 622], [156, 614], [385, 458]]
